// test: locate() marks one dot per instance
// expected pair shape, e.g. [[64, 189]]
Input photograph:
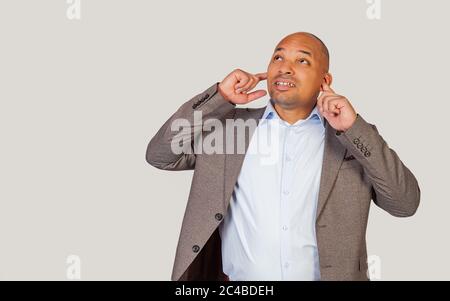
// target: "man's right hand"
[[235, 86]]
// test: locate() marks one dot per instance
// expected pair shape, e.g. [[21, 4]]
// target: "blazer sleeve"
[[160, 152], [394, 187]]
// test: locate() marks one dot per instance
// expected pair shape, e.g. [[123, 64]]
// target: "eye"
[[277, 58], [304, 61]]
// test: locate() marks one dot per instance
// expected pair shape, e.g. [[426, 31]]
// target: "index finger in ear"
[[261, 76], [326, 87]]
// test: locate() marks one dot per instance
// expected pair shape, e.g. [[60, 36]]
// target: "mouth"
[[283, 85]]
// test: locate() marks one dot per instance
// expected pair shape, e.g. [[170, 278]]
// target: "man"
[[303, 217]]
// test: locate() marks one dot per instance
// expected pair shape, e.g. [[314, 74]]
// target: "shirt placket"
[[286, 180]]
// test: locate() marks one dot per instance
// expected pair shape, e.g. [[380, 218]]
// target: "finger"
[[326, 93], [250, 85], [330, 114], [319, 103], [325, 103], [239, 76], [255, 95], [254, 82], [321, 98], [240, 98], [319, 106], [326, 87], [330, 104], [261, 76], [242, 82], [324, 106], [333, 105]]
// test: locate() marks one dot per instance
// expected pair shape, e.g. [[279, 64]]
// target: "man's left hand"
[[336, 109]]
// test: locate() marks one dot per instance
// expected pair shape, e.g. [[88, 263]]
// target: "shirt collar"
[[271, 113]]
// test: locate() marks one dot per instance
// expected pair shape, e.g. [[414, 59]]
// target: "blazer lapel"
[[333, 155]]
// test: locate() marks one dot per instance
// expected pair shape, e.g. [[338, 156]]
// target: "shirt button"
[[195, 248], [285, 227]]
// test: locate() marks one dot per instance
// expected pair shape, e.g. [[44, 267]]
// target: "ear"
[[327, 78]]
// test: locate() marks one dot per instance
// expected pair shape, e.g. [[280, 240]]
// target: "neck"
[[294, 114]]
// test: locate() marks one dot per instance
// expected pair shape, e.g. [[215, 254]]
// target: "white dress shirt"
[[269, 231]]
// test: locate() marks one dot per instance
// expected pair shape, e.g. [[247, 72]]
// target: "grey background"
[[80, 99]]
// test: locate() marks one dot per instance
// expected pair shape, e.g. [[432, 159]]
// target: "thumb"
[[255, 95]]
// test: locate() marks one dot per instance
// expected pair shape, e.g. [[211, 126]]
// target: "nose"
[[286, 68]]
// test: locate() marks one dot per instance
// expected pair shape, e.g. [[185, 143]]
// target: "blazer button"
[[195, 248], [219, 216], [356, 141]]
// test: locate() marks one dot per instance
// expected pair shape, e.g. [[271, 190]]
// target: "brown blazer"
[[358, 166]]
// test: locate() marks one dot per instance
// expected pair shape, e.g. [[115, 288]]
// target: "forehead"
[[299, 42]]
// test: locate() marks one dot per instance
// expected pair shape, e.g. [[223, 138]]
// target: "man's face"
[[296, 71]]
